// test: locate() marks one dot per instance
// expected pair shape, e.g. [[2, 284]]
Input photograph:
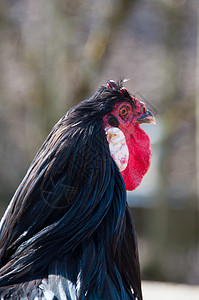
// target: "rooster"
[[68, 233]]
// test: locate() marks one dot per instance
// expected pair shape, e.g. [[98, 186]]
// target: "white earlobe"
[[118, 147]]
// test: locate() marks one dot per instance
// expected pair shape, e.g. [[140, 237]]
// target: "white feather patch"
[[118, 147]]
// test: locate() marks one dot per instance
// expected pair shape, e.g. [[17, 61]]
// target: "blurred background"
[[54, 54]]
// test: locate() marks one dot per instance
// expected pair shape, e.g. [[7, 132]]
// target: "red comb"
[[111, 84]]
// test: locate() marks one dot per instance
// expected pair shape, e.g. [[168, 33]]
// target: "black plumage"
[[68, 230]]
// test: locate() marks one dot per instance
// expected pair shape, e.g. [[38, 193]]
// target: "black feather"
[[69, 222]]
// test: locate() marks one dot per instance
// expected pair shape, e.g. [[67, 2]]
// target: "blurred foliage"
[[54, 54]]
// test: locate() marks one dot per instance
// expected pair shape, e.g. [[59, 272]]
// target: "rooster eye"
[[124, 111]]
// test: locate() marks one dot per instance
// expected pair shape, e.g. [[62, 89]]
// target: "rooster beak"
[[147, 118]]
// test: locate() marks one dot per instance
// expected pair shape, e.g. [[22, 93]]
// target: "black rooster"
[[67, 233]]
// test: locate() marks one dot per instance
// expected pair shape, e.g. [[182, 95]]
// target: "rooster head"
[[129, 144]]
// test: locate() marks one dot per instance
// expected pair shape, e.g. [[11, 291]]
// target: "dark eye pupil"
[[123, 111]]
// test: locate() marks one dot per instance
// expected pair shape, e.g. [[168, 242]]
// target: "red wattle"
[[139, 156]]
